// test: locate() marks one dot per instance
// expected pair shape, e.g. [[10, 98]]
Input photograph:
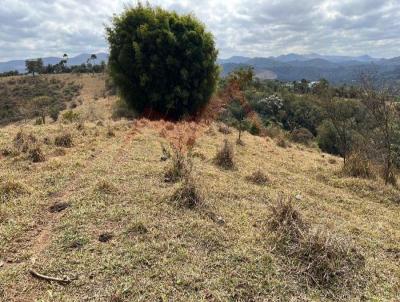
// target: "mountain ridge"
[[289, 67]]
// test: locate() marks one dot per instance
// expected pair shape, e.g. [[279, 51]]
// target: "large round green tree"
[[162, 62]]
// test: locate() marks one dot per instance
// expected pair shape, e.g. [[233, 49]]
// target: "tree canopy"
[[161, 61]]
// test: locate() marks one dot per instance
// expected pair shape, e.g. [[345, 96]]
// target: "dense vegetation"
[[341, 120], [162, 62]]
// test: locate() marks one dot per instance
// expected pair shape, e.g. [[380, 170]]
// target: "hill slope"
[[112, 182]]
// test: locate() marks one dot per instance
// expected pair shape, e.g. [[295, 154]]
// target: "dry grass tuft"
[[224, 129], [106, 187], [181, 165], [110, 132], [282, 142], [225, 156], [80, 126], [327, 261], [332, 161], [63, 140], [357, 165], [188, 195], [258, 178], [286, 220], [23, 141], [9, 152], [392, 179], [137, 228], [59, 152], [10, 189], [36, 155], [316, 258]]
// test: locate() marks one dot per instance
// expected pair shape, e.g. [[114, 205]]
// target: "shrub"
[[35, 154], [358, 165], [225, 156], [273, 131], [63, 140], [54, 113], [258, 178], [302, 136], [328, 139], [255, 129], [187, 195], [162, 62]]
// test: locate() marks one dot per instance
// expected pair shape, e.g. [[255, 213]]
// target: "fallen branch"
[[65, 280]]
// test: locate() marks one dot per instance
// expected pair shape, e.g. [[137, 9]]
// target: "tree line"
[[36, 66]]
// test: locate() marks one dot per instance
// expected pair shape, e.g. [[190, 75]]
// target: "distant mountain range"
[[290, 67], [336, 69], [77, 60]]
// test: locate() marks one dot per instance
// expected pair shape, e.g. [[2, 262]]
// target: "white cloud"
[[32, 28]]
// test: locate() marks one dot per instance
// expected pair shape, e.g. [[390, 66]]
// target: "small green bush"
[[327, 138], [70, 116], [254, 129], [54, 113]]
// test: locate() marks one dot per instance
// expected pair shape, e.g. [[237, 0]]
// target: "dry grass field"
[[98, 214]]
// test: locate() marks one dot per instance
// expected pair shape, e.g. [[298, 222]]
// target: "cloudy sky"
[[39, 28]]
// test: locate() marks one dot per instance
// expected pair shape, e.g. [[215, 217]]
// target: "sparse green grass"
[[17, 93], [159, 251]]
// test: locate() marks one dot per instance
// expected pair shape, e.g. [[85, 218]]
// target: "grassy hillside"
[[100, 213]]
